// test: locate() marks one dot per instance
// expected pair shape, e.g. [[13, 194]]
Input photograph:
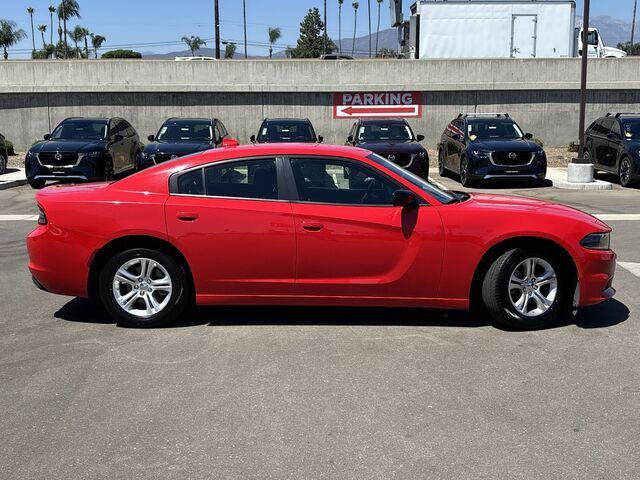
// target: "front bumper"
[[417, 165], [596, 272], [486, 169], [87, 169]]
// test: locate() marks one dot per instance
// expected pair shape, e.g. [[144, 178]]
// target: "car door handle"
[[312, 226], [187, 216]]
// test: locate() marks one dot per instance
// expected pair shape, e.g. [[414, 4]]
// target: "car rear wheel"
[[3, 164], [625, 172], [143, 288], [465, 175], [442, 170], [526, 289], [37, 184]]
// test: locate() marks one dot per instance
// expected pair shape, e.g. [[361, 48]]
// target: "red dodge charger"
[[300, 224]]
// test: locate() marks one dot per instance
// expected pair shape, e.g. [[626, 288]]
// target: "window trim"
[[173, 180], [290, 178]]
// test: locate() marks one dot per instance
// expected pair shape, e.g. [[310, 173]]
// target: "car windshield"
[[443, 196], [632, 129], [80, 130], [286, 132], [186, 132], [485, 130], [384, 132]]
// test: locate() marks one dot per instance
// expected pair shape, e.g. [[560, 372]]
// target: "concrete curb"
[[13, 179], [558, 177], [12, 183]]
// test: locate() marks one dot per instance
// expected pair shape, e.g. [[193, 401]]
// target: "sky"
[[158, 25]]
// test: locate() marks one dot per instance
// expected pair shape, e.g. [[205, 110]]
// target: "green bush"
[[573, 147], [122, 54], [10, 149]]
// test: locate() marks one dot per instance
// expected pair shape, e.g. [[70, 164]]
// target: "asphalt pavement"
[[297, 393]]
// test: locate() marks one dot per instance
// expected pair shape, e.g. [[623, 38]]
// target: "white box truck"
[[498, 29]]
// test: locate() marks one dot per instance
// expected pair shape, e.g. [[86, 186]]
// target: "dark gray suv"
[[4, 155]]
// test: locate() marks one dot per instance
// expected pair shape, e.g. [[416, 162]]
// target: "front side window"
[[245, 179], [80, 130], [342, 182]]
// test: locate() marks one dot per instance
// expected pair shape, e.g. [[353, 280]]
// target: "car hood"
[[506, 203], [520, 145], [178, 148], [73, 146], [386, 148]]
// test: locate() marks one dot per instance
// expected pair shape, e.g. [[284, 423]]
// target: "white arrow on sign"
[[348, 111]]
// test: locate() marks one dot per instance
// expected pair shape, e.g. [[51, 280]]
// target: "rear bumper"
[[596, 277]]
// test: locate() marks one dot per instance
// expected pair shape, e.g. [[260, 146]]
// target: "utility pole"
[[583, 77], [244, 17], [369, 12], [324, 40], [216, 14], [633, 21]]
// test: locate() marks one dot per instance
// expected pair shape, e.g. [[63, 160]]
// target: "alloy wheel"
[[3, 164], [625, 172], [533, 287], [441, 169], [108, 170], [142, 287]]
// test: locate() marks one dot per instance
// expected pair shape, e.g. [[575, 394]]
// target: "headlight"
[[148, 156], [31, 155], [481, 153], [540, 153], [597, 241], [422, 154]]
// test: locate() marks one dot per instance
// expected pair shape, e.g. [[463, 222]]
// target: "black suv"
[[277, 130], [178, 137], [391, 138], [489, 146], [4, 155], [613, 145], [83, 149]]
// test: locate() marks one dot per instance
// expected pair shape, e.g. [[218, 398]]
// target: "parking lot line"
[[18, 218], [612, 217], [632, 267]]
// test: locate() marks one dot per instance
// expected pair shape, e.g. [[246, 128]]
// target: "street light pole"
[[633, 21], [583, 78], [216, 14]]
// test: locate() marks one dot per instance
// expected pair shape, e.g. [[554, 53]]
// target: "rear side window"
[[247, 179], [191, 183]]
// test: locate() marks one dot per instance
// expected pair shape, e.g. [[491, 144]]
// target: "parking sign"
[[377, 104]]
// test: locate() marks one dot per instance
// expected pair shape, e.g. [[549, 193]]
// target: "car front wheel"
[[37, 184], [526, 289], [3, 164], [465, 175], [442, 170], [143, 288]]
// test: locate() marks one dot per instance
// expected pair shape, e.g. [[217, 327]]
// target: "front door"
[[352, 243], [234, 229]]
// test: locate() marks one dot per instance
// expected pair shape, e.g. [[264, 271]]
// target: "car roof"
[[383, 120], [288, 120], [189, 120], [490, 120], [90, 119]]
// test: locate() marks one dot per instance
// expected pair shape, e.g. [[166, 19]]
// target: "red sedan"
[[287, 224]]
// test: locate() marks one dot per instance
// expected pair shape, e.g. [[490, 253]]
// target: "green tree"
[[340, 2], [43, 29], [311, 40], [230, 50], [122, 54], [632, 49], [78, 34], [30, 11], [67, 10], [274, 36], [52, 10], [387, 53], [10, 34], [96, 43], [355, 6], [194, 44]]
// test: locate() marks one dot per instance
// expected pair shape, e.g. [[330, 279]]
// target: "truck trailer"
[[498, 29]]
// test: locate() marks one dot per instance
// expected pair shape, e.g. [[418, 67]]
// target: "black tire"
[[37, 184], [107, 170], [497, 295], [3, 163], [465, 176], [177, 299], [442, 170], [625, 172]]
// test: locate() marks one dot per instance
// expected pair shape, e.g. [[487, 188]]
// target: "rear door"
[[606, 157], [523, 36], [614, 144], [455, 146], [232, 224], [352, 243]]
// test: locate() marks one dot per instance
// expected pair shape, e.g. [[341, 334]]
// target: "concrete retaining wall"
[[542, 95]]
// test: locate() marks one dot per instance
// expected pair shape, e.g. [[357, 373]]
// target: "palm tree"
[[96, 43], [378, 27], [230, 50], [67, 10], [30, 10], [52, 10], [85, 35], [340, 2], [42, 29], [77, 35], [10, 34], [274, 35], [369, 13], [194, 44], [355, 6]]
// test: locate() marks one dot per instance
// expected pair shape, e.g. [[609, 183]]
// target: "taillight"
[[42, 217]]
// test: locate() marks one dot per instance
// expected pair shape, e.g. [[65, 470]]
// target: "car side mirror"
[[47, 136], [151, 138], [420, 137], [252, 139], [118, 138], [350, 139], [528, 136], [456, 136], [229, 142], [404, 199], [320, 138]]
